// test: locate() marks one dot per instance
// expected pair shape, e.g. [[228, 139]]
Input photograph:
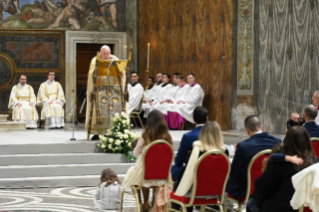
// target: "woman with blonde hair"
[[156, 128], [210, 138]]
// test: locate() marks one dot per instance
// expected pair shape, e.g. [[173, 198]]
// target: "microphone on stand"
[[73, 139]]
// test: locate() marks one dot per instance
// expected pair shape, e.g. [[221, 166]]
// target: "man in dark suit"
[[310, 114], [245, 151], [200, 116]]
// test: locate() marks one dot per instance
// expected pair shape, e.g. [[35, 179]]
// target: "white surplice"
[[193, 99], [162, 93], [135, 92], [176, 94], [26, 113], [317, 119], [52, 113]]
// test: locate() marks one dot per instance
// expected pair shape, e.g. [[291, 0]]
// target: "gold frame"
[[314, 139], [136, 189], [135, 114], [219, 204], [240, 204]]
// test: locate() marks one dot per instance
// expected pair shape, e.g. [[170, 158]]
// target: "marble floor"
[[67, 199]]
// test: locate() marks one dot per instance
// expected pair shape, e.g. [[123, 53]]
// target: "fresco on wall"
[[86, 15]]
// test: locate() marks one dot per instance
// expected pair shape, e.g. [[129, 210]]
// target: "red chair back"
[[306, 209], [255, 168], [158, 160], [212, 170], [315, 145]]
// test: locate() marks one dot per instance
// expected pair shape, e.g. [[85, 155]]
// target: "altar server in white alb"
[[135, 92], [149, 91], [51, 98], [22, 102], [152, 94], [179, 95], [161, 94], [193, 99]]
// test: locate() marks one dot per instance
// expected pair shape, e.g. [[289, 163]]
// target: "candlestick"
[[148, 56]]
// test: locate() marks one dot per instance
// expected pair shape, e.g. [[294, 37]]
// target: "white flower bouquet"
[[119, 138]]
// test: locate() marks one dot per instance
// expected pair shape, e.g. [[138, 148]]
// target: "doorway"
[[84, 54]]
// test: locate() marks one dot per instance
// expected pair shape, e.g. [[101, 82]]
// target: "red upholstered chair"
[[157, 162], [315, 145], [304, 209], [253, 172], [210, 178]]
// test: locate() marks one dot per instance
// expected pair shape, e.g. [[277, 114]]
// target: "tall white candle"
[[148, 55]]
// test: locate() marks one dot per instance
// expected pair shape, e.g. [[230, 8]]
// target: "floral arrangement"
[[119, 138]]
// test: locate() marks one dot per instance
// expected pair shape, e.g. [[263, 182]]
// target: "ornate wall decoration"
[[32, 53], [131, 28], [245, 47], [75, 15], [288, 59]]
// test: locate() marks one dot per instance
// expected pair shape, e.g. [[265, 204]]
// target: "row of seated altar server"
[[176, 102], [50, 97]]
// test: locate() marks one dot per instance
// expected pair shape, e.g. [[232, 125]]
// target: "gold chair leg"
[[239, 207], [226, 204], [183, 207], [134, 122], [168, 206], [136, 193], [139, 118], [221, 208], [202, 208], [122, 201]]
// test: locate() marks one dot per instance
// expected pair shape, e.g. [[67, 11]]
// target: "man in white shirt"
[[135, 91], [193, 99], [315, 100], [51, 97], [22, 102]]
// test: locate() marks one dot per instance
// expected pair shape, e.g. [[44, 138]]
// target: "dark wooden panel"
[[191, 36]]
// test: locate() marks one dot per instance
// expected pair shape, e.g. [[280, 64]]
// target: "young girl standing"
[[108, 194]]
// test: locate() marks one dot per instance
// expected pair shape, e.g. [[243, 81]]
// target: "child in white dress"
[[108, 194]]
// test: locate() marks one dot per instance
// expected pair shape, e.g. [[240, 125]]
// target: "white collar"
[[21, 86], [199, 125], [49, 82]]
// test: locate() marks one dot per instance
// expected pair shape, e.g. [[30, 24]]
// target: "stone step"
[[53, 148], [4, 117], [59, 181], [47, 148], [61, 170], [60, 159], [12, 126]]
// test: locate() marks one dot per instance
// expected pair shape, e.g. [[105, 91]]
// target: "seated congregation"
[[265, 174]]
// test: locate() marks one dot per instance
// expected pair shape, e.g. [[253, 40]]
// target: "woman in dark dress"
[[274, 189]]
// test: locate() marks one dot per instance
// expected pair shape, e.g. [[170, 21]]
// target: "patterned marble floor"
[[53, 200]]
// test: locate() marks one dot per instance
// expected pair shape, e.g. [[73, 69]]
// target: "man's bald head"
[[310, 112], [253, 124]]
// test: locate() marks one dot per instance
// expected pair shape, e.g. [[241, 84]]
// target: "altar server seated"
[[193, 99], [22, 102], [152, 94], [148, 93], [51, 98], [179, 95], [135, 91]]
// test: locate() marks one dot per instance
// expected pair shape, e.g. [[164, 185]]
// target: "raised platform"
[[47, 158]]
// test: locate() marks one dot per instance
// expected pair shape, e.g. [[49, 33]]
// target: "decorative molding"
[[131, 28], [245, 54], [119, 39]]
